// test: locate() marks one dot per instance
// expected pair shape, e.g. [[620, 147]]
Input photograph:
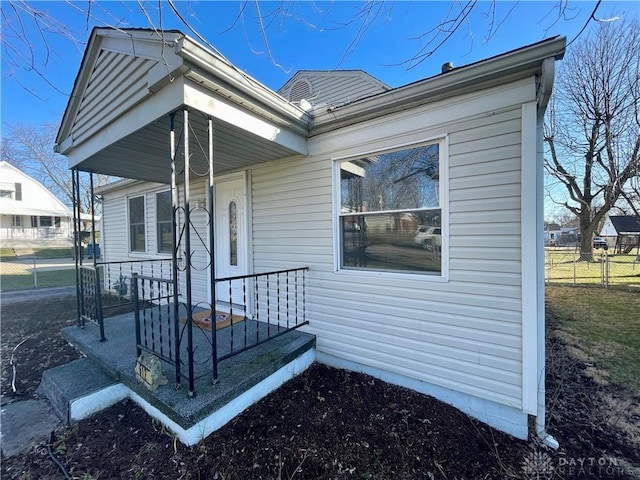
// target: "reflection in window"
[[390, 215], [164, 226], [137, 238], [233, 234]]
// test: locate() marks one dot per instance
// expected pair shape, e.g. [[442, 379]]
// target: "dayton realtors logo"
[[540, 466]]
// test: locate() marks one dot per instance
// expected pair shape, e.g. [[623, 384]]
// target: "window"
[[6, 194], [56, 221], [16, 221], [34, 221], [137, 239], [233, 234], [390, 216], [18, 196], [164, 222], [45, 222]]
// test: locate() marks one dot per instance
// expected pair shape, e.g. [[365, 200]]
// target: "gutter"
[[543, 94], [518, 64]]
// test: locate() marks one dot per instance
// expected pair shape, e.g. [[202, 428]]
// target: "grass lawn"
[[607, 326], [51, 278], [562, 266]]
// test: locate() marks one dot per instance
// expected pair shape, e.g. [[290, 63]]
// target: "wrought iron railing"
[[274, 300], [89, 297], [157, 329], [117, 277], [250, 310], [106, 285]]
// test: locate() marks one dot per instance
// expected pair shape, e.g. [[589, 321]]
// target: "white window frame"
[[144, 223], [155, 199], [443, 145]]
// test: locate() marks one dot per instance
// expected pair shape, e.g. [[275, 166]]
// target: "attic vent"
[[299, 90]]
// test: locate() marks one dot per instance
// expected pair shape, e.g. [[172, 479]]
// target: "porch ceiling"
[[145, 153]]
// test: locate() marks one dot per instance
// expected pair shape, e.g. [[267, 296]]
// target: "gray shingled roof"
[[626, 224]]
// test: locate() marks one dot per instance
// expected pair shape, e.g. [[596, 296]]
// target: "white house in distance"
[[622, 232], [30, 215], [324, 174]]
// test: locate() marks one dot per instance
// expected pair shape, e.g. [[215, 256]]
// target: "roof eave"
[[240, 87], [523, 61]]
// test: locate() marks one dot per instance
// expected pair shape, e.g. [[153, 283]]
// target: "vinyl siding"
[[335, 88], [99, 109], [463, 332], [115, 237]]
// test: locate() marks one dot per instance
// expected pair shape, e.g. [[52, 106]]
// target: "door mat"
[[223, 319]]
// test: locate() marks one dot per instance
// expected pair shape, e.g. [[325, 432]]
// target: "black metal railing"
[[156, 326], [117, 278], [250, 310], [265, 305], [107, 285], [90, 297]]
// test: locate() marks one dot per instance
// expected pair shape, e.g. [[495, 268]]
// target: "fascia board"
[[240, 87], [79, 84], [501, 69]]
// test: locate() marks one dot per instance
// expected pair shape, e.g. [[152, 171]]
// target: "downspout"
[[545, 87]]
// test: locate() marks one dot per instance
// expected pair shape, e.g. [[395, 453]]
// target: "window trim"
[[144, 223], [443, 187], [170, 221]]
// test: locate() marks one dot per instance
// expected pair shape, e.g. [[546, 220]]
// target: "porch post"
[[187, 249], [174, 244], [98, 287], [212, 266], [76, 242], [93, 219]]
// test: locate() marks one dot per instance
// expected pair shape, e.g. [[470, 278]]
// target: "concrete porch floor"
[[243, 378]]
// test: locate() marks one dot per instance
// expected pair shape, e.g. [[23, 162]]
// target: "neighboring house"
[[341, 186], [622, 232], [552, 235], [29, 213]]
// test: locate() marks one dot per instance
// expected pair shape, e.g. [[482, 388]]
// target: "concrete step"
[[80, 388]]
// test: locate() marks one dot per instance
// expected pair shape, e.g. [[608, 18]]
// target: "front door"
[[231, 239]]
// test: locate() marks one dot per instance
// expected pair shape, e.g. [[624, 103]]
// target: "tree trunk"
[[587, 229]]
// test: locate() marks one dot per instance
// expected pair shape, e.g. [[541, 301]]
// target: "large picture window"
[[137, 240], [163, 221], [390, 215]]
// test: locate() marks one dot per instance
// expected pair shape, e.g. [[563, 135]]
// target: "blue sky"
[[309, 35]]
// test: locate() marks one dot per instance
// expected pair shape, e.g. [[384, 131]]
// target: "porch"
[[244, 378], [190, 338], [182, 129]]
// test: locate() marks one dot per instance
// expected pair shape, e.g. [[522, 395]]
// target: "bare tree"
[[30, 148], [593, 129], [28, 31]]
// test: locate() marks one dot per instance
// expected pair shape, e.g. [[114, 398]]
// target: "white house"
[[622, 232], [29, 213], [300, 177]]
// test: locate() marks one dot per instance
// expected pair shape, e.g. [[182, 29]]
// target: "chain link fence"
[[39, 269], [567, 266]]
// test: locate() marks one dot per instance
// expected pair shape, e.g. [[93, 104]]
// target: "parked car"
[[429, 237], [599, 242]]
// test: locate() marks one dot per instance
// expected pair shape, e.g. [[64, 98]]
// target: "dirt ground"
[[324, 424]]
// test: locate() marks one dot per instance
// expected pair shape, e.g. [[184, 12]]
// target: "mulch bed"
[[323, 424]]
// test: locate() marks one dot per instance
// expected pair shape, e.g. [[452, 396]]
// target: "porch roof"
[[131, 81]]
